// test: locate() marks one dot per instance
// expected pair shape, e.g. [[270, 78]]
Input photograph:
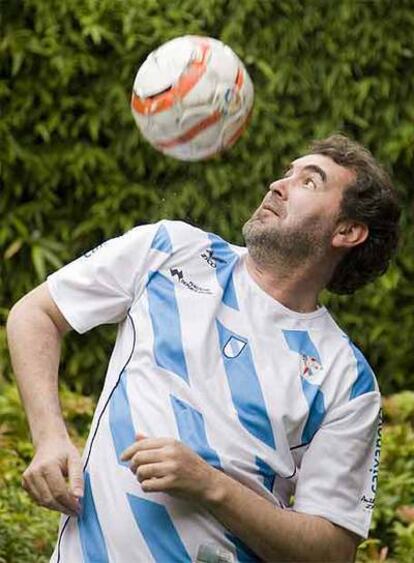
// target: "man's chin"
[[257, 219], [262, 221], [258, 232], [251, 226]]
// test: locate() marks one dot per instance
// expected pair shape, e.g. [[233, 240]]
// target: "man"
[[229, 389]]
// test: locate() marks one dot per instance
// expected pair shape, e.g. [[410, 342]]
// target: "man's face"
[[298, 215]]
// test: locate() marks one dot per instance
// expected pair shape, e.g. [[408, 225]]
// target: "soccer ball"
[[192, 97]]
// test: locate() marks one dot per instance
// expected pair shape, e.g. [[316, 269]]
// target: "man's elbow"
[[37, 307], [344, 546], [14, 316]]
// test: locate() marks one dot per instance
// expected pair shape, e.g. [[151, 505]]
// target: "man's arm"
[[274, 534], [35, 328]]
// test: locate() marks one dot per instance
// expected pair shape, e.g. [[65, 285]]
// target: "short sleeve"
[[100, 286], [338, 475]]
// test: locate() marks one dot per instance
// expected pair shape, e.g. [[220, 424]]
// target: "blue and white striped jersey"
[[281, 401]]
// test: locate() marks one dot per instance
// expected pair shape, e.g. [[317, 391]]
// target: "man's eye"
[[310, 183]]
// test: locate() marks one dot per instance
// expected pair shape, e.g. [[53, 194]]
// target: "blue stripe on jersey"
[[120, 419], [365, 381], [316, 402], [192, 431], [90, 531], [244, 553], [266, 472], [158, 531], [225, 259], [245, 386], [299, 341], [165, 318], [162, 240]]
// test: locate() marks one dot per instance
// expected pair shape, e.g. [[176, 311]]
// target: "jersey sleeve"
[[338, 475], [100, 286]]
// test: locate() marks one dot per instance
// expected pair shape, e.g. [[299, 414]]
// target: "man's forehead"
[[319, 159]]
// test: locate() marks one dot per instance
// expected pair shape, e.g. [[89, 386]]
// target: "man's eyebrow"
[[309, 168], [317, 169]]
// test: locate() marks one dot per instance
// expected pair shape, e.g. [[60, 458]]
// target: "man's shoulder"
[[185, 235], [343, 342], [181, 230], [347, 371], [165, 235], [355, 376]]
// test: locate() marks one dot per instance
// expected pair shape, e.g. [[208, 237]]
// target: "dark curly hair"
[[370, 199]]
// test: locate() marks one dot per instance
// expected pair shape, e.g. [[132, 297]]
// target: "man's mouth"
[[271, 209]]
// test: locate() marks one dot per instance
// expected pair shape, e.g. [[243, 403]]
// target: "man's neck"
[[297, 288]]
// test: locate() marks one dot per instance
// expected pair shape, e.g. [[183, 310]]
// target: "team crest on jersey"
[[309, 365], [234, 347]]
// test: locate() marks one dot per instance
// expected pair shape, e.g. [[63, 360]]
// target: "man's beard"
[[270, 246]]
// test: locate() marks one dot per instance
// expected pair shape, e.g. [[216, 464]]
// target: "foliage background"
[[75, 171]]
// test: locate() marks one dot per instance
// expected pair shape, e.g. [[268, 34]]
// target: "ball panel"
[[160, 126], [175, 86], [234, 130], [192, 132]]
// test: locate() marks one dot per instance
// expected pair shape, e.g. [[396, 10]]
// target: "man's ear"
[[349, 234]]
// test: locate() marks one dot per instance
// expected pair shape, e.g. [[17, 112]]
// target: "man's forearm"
[[34, 343], [275, 534], [34, 331], [167, 465]]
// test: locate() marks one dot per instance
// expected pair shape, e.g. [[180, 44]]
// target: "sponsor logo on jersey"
[[211, 260], [178, 275], [377, 453], [369, 501], [309, 365], [234, 347]]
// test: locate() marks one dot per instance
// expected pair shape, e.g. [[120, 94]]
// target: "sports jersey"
[[281, 401]]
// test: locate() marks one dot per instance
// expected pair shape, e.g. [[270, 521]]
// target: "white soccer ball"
[[192, 97]]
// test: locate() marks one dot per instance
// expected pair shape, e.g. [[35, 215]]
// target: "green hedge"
[[75, 170], [28, 532]]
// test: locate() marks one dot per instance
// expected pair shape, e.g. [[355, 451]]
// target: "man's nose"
[[280, 188]]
